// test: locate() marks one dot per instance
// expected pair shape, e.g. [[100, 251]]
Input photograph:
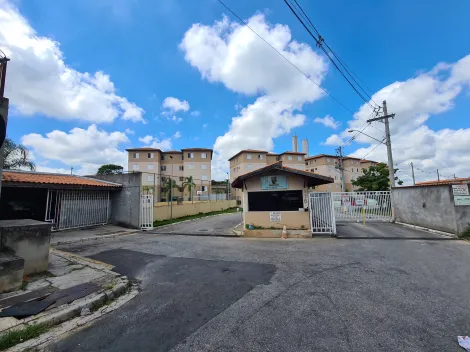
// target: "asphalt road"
[[212, 225], [325, 294]]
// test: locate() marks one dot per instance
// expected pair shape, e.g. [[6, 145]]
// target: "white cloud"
[[147, 139], [84, 149], [177, 135], [231, 54], [174, 104], [195, 113], [414, 102], [174, 118], [129, 131], [328, 121], [334, 140], [40, 82]]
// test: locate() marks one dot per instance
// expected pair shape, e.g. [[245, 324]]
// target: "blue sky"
[[139, 47]]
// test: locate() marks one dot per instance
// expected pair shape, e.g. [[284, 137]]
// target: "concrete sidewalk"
[[90, 233]]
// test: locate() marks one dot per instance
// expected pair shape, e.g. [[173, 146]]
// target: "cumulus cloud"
[[84, 149], [129, 131], [334, 140], [147, 139], [40, 82], [174, 104], [231, 54], [414, 102], [155, 142], [177, 135], [195, 113], [328, 121]]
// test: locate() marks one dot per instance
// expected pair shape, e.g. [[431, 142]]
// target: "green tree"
[[190, 185], [375, 178], [168, 187], [109, 169], [16, 156]]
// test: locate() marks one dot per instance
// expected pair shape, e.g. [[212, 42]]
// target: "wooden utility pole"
[[413, 173]]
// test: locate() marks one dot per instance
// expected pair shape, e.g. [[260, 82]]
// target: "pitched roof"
[[173, 152], [143, 149], [296, 153], [24, 178], [201, 149], [248, 151], [313, 179], [444, 182]]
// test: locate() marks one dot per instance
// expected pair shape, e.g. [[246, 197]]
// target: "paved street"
[[325, 294]]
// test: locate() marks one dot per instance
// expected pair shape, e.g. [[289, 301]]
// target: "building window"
[[163, 156], [162, 168], [204, 155], [248, 156], [150, 178], [289, 157], [278, 158], [190, 155], [204, 166], [150, 167], [190, 166], [135, 167], [250, 167], [204, 188], [163, 178], [162, 190], [181, 168], [275, 201], [299, 158], [181, 178], [204, 177], [150, 155], [312, 170], [357, 170], [260, 156], [136, 155]]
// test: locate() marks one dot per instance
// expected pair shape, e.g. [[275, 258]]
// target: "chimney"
[[295, 141], [305, 146]]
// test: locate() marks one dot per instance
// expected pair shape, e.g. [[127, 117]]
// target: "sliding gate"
[[322, 215], [362, 206]]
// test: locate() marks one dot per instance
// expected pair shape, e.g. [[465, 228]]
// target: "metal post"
[[413, 173], [438, 178]]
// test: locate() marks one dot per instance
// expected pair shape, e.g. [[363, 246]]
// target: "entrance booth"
[[276, 196]]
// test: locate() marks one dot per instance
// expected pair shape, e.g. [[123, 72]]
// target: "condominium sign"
[[274, 182], [461, 194]]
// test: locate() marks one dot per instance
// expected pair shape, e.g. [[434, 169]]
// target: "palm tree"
[[190, 185], [16, 156], [168, 188]]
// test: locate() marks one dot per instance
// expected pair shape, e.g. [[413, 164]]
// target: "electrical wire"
[[285, 58]]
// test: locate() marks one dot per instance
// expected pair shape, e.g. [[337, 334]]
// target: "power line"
[[319, 41], [285, 58]]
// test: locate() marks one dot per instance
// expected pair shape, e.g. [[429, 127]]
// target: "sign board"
[[460, 190], [199, 193], [275, 216], [360, 202], [462, 200], [274, 182]]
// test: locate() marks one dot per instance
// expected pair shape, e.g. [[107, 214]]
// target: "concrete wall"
[[125, 203], [431, 207], [28, 239], [163, 212], [290, 219]]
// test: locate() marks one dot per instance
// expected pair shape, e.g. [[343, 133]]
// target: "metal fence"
[[362, 206], [68, 209], [322, 215]]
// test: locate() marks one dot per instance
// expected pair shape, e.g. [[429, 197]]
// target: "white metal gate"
[[68, 209], [146, 211], [362, 206], [322, 215]]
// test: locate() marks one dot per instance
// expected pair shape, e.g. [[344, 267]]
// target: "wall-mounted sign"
[[275, 216], [199, 193], [460, 190], [462, 200], [274, 182]]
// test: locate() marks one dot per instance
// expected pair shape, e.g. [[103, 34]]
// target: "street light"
[[365, 134]]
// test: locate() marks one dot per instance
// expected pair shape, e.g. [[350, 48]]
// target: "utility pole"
[[339, 150], [388, 142], [438, 178], [413, 173]]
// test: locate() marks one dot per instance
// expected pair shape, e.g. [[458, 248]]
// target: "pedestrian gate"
[[322, 216], [146, 211]]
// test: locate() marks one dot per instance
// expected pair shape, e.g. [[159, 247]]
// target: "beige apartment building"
[[327, 165], [157, 166], [250, 159]]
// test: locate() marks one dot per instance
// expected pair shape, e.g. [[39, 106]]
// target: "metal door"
[[362, 206], [322, 216], [146, 211]]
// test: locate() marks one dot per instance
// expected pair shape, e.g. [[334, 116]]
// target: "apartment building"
[[327, 165], [157, 166], [250, 159]]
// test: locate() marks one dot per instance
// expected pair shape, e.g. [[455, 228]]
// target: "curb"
[[448, 234], [238, 233], [111, 235], [163, 227]]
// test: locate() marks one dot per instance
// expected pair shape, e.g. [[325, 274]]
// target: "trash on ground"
[[464, 342]]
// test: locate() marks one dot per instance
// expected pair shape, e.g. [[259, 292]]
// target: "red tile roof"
[[444, 182], [248, 151], [24, 177], [143, 149]]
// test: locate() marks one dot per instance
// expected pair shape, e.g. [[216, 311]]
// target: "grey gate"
[[362, 206], [322, 215]]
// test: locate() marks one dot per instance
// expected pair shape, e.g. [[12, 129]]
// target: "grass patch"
[[75, 269], [157, 223], [13, 338], [466, 233]]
